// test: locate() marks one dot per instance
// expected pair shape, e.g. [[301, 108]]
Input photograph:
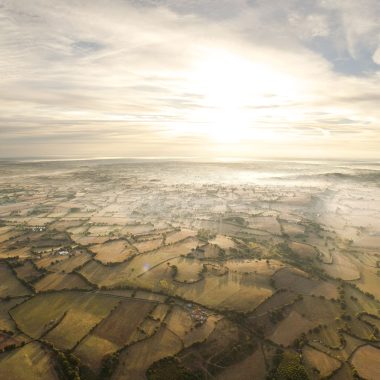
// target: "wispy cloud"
[[155, 77]]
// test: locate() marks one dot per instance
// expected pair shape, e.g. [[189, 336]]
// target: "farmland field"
[[28, 362], [146, 271]]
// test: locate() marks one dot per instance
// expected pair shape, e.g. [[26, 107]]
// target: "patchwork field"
[[129, 270]]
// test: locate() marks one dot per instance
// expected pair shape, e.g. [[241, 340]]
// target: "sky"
[[209, 79]]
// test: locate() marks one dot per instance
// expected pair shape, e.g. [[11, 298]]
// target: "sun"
[[236, 94]]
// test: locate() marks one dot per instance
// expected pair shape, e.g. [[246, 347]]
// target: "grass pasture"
[[304, 251], [61, 281], [293, 229], [252, 367], [208, 251], [366, 360], [72, 262], [266, 223], [63, 225], [113, 251], [144, 263], [7, 252], [254, 266], [35, 316], [328, 336], [93, 349], [177, 236], [223, 242], [107, 276], [9, 284], [290, 328], [187, 270], [48, 261], [30, 362], [119, 327], [148, 245], [137, 229], [100, 230], [27, 271], [276, 301], [232, 291], [206, 356], [89, 240], [6, 322], [179, 321], [324, 363], [359, 302], [342, 267], [371, 320], [135, 361], [300, 283], [160, 311]]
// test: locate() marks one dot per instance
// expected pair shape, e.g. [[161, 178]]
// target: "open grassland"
[[92, 350], [366, 361], [300, 283], [37, 315], [72, 327], [101, 230], [102, 275], [89, 240], [148, 245], [8, 252], [121, 325], [266, 223], [9, 285], [303, 250], [6, 322], [30, 362], [209, 356], [209, 251], [230, 291], [71, 262], [127, 273], [48, 261], [65, 224], [61, 281], [290, 329], [342, 267], [278, 300], [135, 360], [186, 270], [138, 229], [223, 242], [324, 363], [318, 309], [177, 236], [264, 267], [27, 271], [359, 302], [113, 251], [252, 367]]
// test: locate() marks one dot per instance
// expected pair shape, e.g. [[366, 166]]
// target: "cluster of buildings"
[[197, 314], [38, 228]]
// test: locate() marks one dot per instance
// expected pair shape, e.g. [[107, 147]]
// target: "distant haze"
[[212, 79]]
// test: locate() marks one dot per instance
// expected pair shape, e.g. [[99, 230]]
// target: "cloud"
[[376, 56], [149, 75]]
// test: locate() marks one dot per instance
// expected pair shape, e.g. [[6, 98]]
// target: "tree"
[[291, 368]]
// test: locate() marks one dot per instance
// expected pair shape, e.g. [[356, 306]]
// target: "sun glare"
[[237, 94]]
